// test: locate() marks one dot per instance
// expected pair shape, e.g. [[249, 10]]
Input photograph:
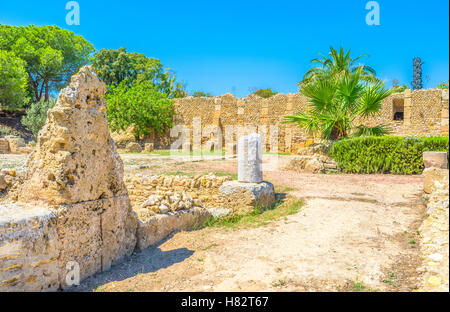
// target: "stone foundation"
[[154, 229], [243, 197]]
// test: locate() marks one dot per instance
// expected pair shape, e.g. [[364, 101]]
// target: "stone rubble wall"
[[425, 114], [434, 232], [202, 190]]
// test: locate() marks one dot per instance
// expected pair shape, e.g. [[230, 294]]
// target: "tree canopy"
[[201, 94], [265, 93], [13, 81], [340, 96], [140, 105], [336, 65], [116, 66], [51, 55]]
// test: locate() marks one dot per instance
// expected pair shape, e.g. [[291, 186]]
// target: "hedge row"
[[397, 155]]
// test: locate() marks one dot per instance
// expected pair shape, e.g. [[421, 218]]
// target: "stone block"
[[154, 229], [435, 160], [28, 248], [134, 147], [243, 197], [149, 147], [4, 146], [436, 180]]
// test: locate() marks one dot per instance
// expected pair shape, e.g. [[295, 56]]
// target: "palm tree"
[[338, 64], [336, 103]]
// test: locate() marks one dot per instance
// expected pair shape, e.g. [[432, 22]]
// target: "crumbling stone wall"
[[425, 114], [202, 190], [434, 232]]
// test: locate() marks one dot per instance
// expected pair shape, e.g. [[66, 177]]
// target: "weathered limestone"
[[149, 147], [28, 248], [434, 233], [250, 159], [75, 158], [153, 229], [77, 173], [435, 178], [307, 164], [4, 146], [133, 147], [435, 160], [244, 197]]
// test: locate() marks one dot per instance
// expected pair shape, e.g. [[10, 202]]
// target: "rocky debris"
[[14, 145], [203, 188], [315, 149], [165, 201], [149, 147], [434, 232], [7, 178], [435, 160], [133, 147], [312, 159], [244, 197], [250, 159]]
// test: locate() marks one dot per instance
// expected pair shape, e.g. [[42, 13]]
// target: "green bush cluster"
[[36, 115], [388, 154]]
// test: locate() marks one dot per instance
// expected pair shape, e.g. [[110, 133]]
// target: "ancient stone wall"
[[419, 113], [434, 232]]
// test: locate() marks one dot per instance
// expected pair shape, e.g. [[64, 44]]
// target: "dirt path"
[[356, 232]]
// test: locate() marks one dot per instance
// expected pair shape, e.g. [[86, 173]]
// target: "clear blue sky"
[[225, 46]]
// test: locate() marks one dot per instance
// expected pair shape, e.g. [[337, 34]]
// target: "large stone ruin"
[[70, 209], [71, 204]]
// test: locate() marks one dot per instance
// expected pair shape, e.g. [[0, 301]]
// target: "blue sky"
[[232, 46]]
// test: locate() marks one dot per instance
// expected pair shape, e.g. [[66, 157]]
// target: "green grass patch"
[[258, 216], [233, 176]]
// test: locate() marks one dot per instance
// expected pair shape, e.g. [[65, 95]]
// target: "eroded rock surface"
[[74, 179], [75, 158]]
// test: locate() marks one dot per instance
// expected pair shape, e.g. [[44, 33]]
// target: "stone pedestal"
[[243, 197], [435, 160], [250, 159]]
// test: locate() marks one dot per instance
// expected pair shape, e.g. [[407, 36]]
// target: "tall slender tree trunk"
[[35, 87], [46, 91]]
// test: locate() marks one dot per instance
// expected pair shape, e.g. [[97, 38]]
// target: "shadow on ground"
[[148, 260]]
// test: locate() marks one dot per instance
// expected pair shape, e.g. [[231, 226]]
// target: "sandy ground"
[[356, 232]]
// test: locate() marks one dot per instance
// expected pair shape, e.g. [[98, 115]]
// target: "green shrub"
[[36, 115], [140, 105], [265, 93], [388, 154]]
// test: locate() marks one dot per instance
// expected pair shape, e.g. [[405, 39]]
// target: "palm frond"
[[379, 130], [371, 98]]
